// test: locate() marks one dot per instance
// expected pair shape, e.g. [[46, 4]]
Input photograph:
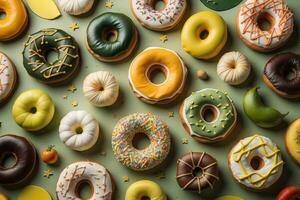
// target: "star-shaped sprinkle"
[[73, 26], [171, 114], [109, 4], [48, 173], [72, 88], [184, 141], [103, 153], [125, 178], [163, 38], [65, 97], [74, 103]]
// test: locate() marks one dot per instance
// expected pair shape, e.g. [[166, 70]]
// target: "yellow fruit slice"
[[46, 9], [33, 192], [229, 197]]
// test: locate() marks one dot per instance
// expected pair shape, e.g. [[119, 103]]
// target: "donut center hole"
[[209, 114], [99, 88], [265, 21], [2, 14], [159, 5], [78, 130], [145, 198], [197, 172], [110, 35], [140, 141], [289, 73], [84, 190], [8, 160], [203, 34], [257, 163], [157, 74], [33, 110], [51, 56]]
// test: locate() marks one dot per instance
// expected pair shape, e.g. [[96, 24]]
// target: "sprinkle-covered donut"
[[79, 130], [35, 53], [78, 173], [255, 162], [157, 132], [76, 7], [196, 108], [250, 20], [159, 20]]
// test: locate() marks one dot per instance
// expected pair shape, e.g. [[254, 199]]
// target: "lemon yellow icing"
[[33, 192], [292, 140]]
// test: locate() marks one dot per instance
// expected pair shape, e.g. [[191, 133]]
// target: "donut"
[[145, 189], [233, 68], [141, 71], [33, 192], [79, 130], [15, 20], [25, 157], [159, 20], [101, 88], [156, 130], [35, 54], [8, 77], [208, 102], [33, 110], [251, 19], [76, 7], [204, 35], [292, 140], [277, 71], [78, 173], [197, 172], [111, 37], [255, 163]]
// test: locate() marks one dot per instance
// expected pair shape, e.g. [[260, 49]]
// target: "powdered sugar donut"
[[76, 7]]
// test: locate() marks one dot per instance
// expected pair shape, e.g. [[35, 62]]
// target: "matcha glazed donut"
[[35, 54], [111, 37]]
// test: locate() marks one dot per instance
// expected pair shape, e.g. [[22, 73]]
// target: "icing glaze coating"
[[76, 7], [32, 192], [292, 140]]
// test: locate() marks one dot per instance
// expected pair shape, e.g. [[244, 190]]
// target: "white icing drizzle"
[[76, 7], [7, 76]]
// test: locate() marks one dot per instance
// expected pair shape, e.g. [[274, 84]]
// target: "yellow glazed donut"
[[145, 189], [204, 35], [15, 20], [292, 140], [166, 61]]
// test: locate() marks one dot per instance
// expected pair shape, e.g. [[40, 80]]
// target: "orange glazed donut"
[[15, 20]]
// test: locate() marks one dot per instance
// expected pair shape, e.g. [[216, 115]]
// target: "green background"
[[128, 103]]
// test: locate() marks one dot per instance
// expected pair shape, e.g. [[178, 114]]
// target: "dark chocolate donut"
[[276, 74], [25, 156], [191, 163]]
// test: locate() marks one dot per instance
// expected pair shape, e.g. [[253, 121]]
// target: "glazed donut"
[[187, 167], [35, 56], [79, 130], [255, 163], [33, 192], [76, 7], [78, 173], [151, 59], [25, 160], [159, 20], [292, 140], [250, 28], [150, 157], [111, 37], [33, 110], [15, 20], [145, 189], [208, 101], [276, 74], [233, 68], [8, 77], [101, 88], [204, 35]]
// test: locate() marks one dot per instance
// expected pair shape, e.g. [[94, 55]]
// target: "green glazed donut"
[[111, 37], [35, 54], [196, 108]]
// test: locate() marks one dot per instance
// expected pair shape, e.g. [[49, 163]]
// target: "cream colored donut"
[[84, 172], [76, 7], [101, 88], [233, 68], [79, 130]]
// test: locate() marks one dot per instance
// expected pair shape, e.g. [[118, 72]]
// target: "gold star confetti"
[[171, 114], [73, 26], [163, 38], [74, 103], [125, 178], [109, 4], [184, 141], [65, 97], [72, 88], [48, 173]]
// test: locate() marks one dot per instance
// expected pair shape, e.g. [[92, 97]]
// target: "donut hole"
[[265, 21], [140, 141], [203, 34], [33, 110], [209, 113], [197, 172], [79, 130], [51, 56], [257, 163], [145, 198], [84, 190], [8, 160], [110, 35], [289, 72], [2, 14], [157, 74], [159, 5]]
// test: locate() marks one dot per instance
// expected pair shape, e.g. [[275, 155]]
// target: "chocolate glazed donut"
[[277, 71], [197, 171], [25, 156]]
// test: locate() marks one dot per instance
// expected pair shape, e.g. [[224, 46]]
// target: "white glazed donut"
[[76, 7], [279, 16], [101, 88], [263, 153], [159, 20], [84, 172], [8, 77], [79, 130], [233, 68]]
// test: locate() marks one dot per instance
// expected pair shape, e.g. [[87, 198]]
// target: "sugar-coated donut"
[[159, 20], [249, 24], [233, 68], [256, 163], [33, 192], [204, 35], [164, 60], [33, 110], [78, 173], [76, 7], [145, 189], [101, 88], [8, 77], [79, 130], [292, 140], [157, 132], [199, 105]]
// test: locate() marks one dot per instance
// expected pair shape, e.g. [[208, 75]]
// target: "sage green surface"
[[220, 5], [128, 103]]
